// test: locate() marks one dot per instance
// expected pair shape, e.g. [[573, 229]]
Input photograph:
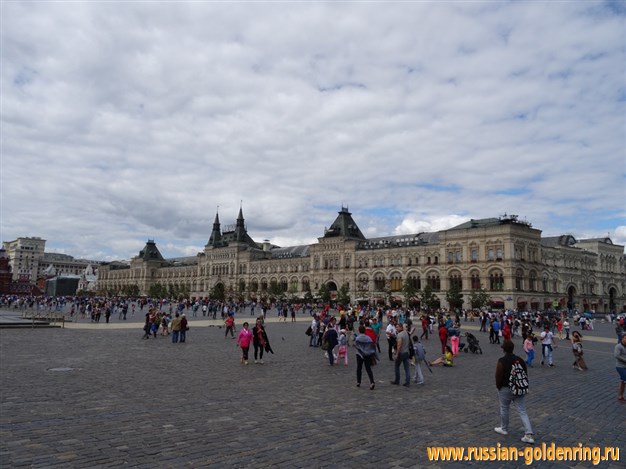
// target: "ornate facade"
[[508, 258]]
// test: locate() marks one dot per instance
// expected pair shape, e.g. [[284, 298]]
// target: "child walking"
[[529, 348], [420, 356], [342, 349], [243, 340], [577, 350]]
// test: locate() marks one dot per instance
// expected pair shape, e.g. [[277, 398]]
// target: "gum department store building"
[[508, 258]]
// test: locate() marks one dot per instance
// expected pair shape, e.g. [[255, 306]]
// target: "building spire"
[[240, 229], [216, 234]]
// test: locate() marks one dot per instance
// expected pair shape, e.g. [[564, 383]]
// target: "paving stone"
[[124, 401]]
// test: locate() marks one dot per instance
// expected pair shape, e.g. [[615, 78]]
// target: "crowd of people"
[[363, 329]]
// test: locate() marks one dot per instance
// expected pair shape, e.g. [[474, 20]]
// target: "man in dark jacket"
[[503, 373]]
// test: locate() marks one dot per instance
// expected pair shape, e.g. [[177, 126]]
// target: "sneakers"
[[261, 362], [372, 386], [358, 385], [501, 431], [528, 439]]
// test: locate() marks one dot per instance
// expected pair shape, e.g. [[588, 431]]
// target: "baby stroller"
[[473, 345]]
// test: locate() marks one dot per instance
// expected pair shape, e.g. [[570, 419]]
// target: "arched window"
[[415, 281], [532, 281], [496, 281], [455, 281], [363, 283], [379, 282], [519, 280], [475, 281], [434, 282], [396, 282]]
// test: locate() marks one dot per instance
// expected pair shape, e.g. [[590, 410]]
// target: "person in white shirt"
[[548, 342], [391, 337]]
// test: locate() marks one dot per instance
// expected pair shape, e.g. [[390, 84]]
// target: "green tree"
[[308, 296], [409, 292], [324, 293], [386, 289], [131, 290], [454, 297], [275, 290], [343, 295], [157, 291], [217, 292], [479, 298], [428, 299]]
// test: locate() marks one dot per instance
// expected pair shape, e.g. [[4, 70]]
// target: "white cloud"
[[619, 236], [128, 122], [414, 225]]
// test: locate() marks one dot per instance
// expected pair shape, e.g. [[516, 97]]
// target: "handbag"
[[324, 345], [309, 330]]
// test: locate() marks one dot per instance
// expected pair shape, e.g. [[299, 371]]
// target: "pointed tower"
[[150, 252], [216, 235], [344, 226], [240, 228]]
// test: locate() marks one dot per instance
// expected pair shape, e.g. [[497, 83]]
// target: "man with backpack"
[[512, 384]]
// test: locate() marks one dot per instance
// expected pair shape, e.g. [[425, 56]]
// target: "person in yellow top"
[[176, 325], [446, 359]]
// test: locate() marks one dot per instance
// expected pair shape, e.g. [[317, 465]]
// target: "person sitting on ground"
[[446, 359]]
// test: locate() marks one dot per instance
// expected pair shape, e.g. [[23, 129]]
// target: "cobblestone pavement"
[[100, 396]]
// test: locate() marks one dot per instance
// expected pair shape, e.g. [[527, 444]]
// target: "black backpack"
[[518, 378]]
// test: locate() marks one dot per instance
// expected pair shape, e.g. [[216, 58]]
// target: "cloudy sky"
[[129, 121]]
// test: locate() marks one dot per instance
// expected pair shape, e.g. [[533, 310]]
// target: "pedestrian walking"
[[566, 328], [243, 341], [176, 324], [366, 355], [342, 347], [259, 341], [529, 348], [420, 356], [548, 343], [229, 322], [331, 339], [402, 356], [184, 327], [577, 350], [512, 385], [390, 331]]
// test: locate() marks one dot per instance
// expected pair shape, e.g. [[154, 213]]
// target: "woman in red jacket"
[[443, 337]]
